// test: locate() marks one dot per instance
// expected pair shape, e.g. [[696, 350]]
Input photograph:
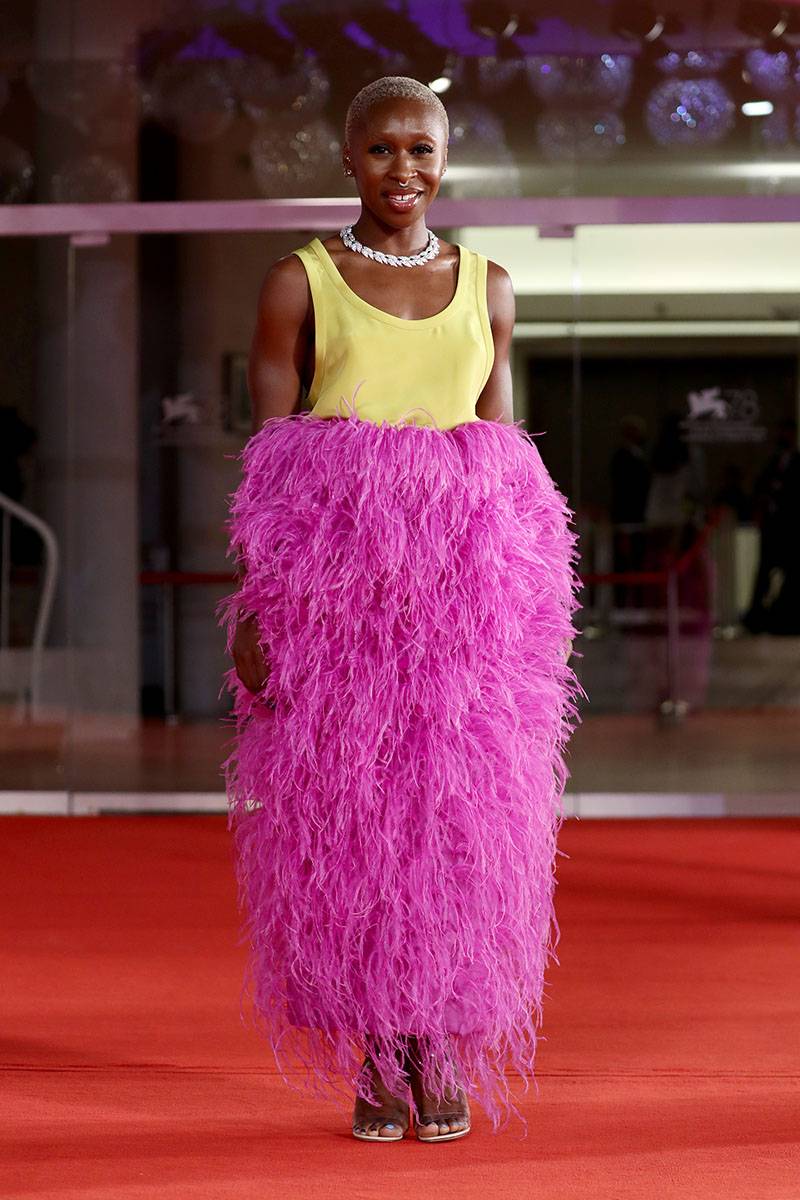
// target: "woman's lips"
[[402, 201]]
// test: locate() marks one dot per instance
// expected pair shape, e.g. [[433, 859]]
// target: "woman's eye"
[[422, 147]]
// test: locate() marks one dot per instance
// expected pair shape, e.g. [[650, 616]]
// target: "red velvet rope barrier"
[[199, 578]]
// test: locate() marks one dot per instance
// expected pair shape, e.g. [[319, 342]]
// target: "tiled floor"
[[741, 752]]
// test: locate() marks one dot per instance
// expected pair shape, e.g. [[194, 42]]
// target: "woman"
[[402, 694]]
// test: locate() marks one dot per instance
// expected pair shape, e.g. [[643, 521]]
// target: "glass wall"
[[195, 100], [36, 482], [662, 363], [662, 406], [655, 358]]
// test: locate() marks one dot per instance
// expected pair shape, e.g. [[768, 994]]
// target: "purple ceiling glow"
[[446, 23], [360, 36], [271, 10], [581, 26], [208, 46]]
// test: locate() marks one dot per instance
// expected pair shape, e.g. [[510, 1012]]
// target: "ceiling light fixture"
[[757, 108], [500, 23], [768, 23], [643, 23], [443, 82]]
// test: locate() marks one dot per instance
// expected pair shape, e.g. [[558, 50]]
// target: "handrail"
[[12, 508], [331, 212]]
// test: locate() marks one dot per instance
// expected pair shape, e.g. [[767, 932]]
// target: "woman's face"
[[399, 143]]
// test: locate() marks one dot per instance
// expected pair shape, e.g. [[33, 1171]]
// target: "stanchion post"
[[672, 705], [168, 623]]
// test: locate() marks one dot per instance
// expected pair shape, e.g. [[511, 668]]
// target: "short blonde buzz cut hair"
[[393, 87]]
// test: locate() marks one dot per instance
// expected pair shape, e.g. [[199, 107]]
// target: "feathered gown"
[[395, 788]]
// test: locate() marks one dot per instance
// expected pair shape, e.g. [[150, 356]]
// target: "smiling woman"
[[396, 146], [402, 693]]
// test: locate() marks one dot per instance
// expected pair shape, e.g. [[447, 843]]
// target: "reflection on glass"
[[573, 102]]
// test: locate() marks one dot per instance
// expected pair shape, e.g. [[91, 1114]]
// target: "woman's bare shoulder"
[[284, 289], [499, 293], [497, 276]]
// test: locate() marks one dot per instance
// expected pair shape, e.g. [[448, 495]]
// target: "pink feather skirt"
[[395, 788]]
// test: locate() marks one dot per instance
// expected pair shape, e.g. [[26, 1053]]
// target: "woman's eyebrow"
[[413, 137]]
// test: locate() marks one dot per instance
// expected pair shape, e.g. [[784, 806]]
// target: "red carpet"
[[670, 1067]]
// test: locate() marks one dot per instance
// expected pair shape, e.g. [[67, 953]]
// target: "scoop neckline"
[[344, 287]]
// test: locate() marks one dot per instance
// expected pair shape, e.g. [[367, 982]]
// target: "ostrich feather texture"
[[395, 788]]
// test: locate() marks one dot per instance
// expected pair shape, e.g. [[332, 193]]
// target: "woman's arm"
[[496, 401], [278, 353], [280, 343]]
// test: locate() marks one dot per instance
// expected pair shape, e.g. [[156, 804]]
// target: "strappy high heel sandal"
[[458, 1112], [368, 1116]]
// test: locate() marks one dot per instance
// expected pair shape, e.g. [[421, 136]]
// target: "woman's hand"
[[251, 666]]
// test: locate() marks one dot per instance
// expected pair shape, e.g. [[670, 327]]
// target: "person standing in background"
[[630, 483], [775, 603]]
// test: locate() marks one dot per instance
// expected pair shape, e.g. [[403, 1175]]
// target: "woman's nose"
[[403, 169]]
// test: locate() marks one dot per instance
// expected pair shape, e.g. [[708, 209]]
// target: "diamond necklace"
[[391, 260]]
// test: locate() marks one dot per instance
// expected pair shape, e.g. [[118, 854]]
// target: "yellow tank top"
[[386, 368]]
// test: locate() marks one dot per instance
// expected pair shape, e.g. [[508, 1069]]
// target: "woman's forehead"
[[409, 117]]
